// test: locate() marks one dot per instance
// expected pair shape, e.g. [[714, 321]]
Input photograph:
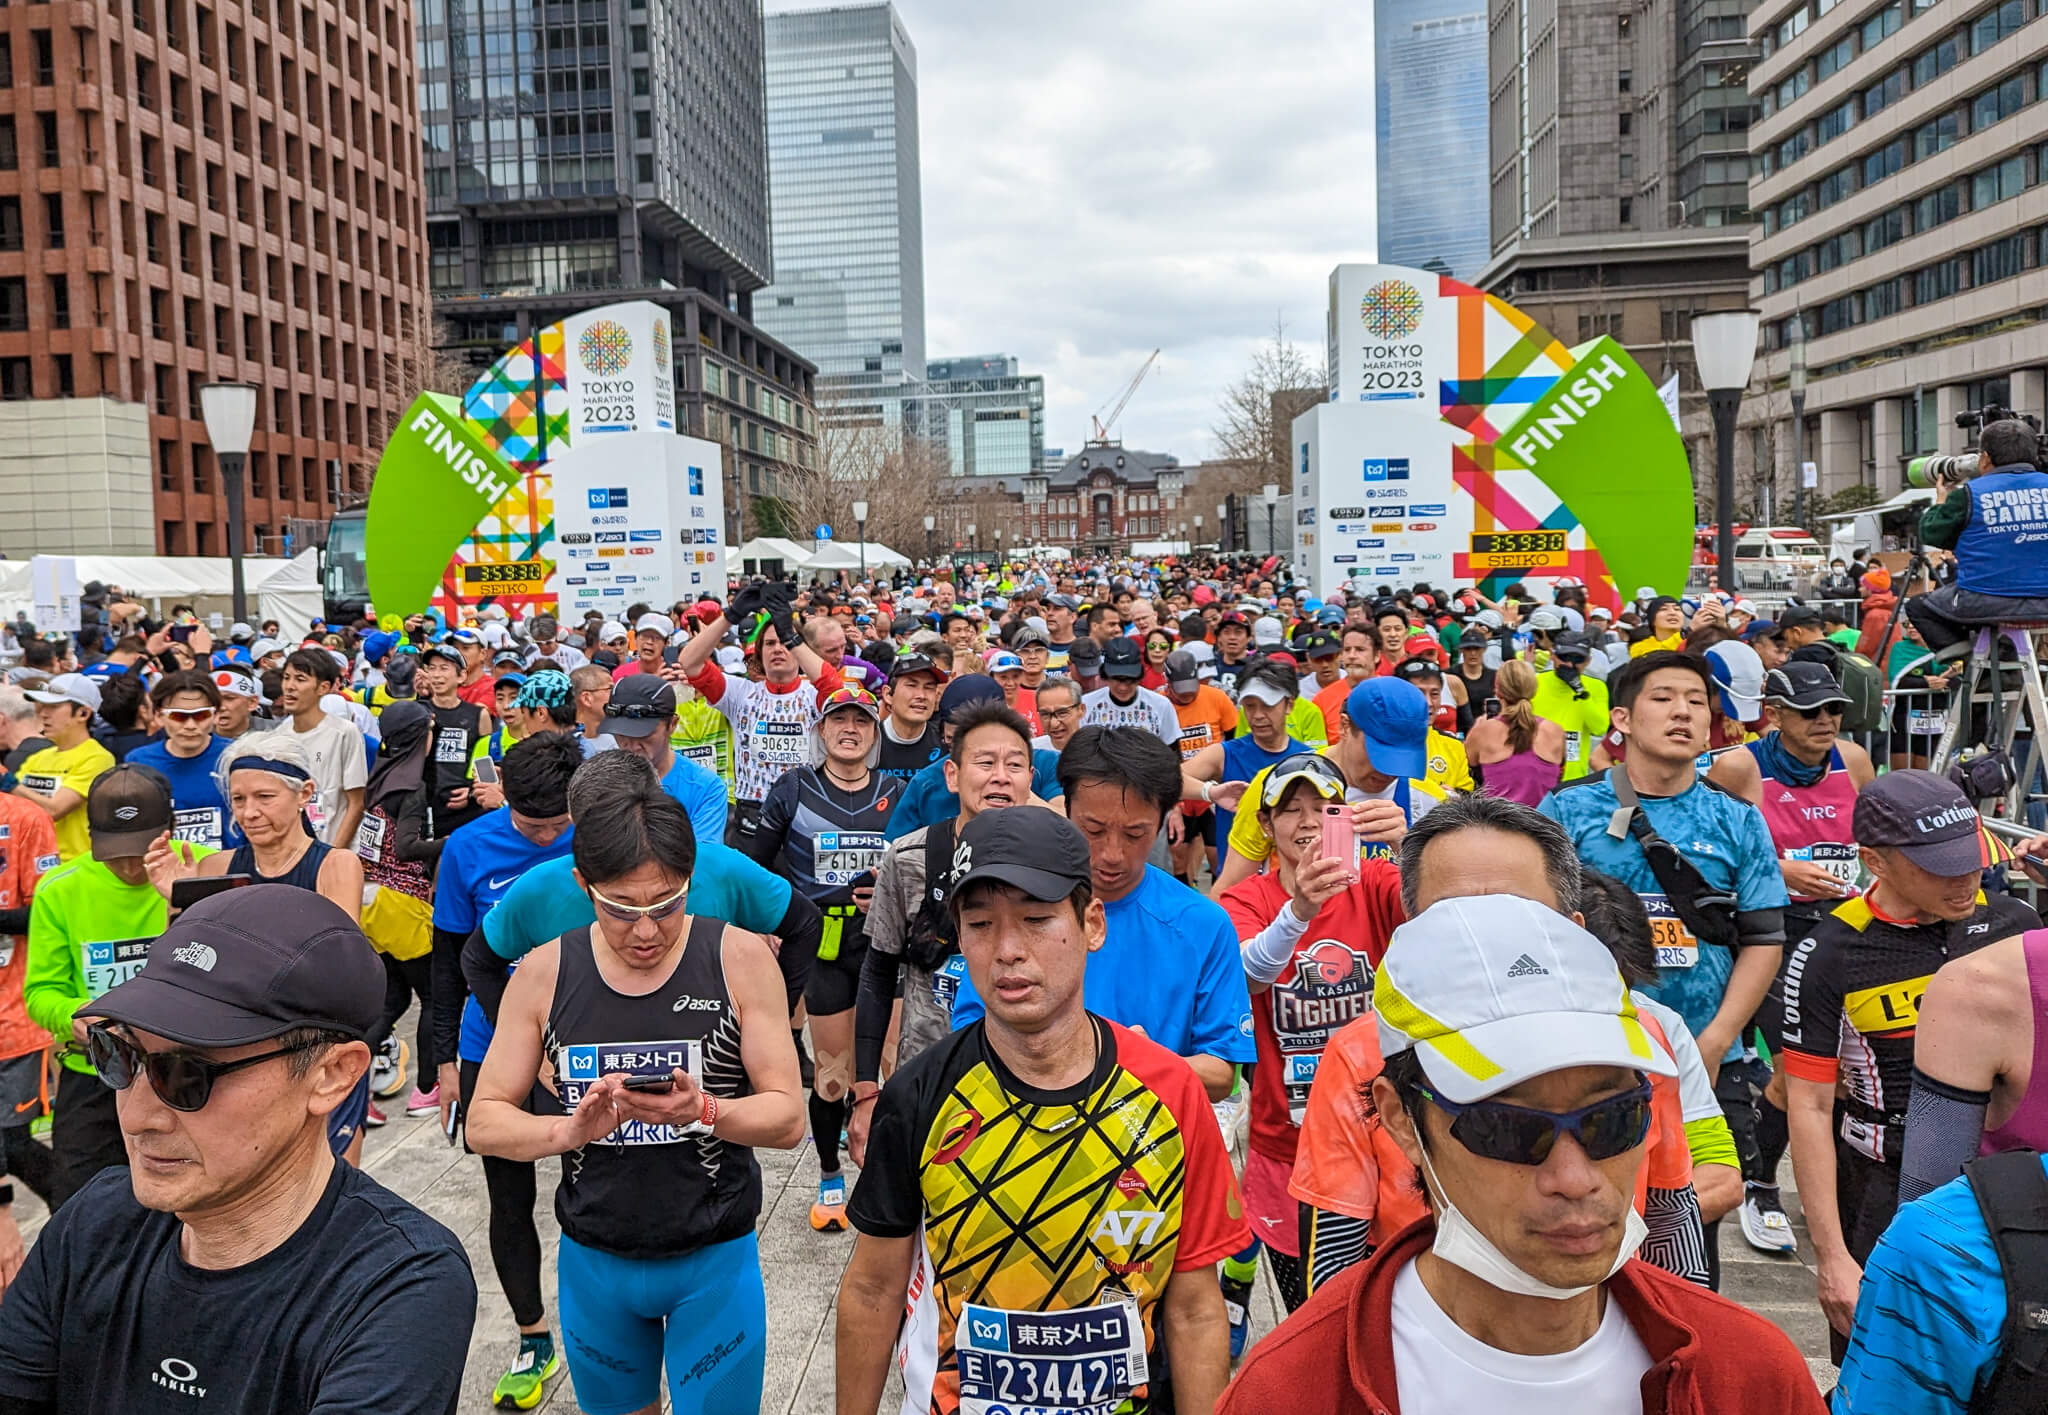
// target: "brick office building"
[[192, 192]]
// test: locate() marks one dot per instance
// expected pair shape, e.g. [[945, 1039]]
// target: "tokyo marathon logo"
[[1391, 310], [661, 346], [605, 348]]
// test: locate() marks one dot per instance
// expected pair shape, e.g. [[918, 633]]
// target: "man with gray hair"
[[19, 739], [1996, 522], [1059, 711]]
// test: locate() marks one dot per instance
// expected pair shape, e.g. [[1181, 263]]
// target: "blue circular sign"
[[823, 533]]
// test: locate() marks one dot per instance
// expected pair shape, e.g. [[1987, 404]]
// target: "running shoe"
[[1763, 1220], [387, 1070], [522, 1386], [828, 1215], [374, 1118], [424, 1102]]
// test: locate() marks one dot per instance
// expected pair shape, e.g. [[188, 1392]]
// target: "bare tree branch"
[[1254, 424]]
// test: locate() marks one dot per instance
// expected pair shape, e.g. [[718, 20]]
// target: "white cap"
[[265, 646], [612, 629], [68, 688], [1546, 619], [1739, 671], [1201, 650], [657, 623], [1645, 593], [240, 631], [1746, 606], [1267, 630], [1491, 990], [1490, 618], [1573, 620], [1600, 611], [732, 658]]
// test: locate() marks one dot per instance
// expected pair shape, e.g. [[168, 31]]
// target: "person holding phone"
[[658, 1260], [1310, 928]]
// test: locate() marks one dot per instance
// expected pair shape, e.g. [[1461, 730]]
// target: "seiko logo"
[[177, 1375], [696, 1004], [196, 955]]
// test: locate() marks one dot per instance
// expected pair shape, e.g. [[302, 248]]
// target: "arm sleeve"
[[436, 1288], [1264, 949], [1677, 1239], [1942, 525], [1944, 1127], [886, 1200], [450, 991], [765, 844], [409, 831], [14, 921], [1330, 1243], [871, 1008], [486, 974], [709, 681]]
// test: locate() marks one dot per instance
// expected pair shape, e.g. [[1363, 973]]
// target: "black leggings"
[[85, 1134], [404, 979], [29, 1161], [509, 1185]]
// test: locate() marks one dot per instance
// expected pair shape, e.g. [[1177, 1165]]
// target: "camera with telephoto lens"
[[1961, 466]]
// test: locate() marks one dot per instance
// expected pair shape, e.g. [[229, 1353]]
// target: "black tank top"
[[451, 736], [304, 875], [652, 1191]]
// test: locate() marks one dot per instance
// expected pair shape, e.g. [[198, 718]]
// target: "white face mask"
[[1460, 1243]]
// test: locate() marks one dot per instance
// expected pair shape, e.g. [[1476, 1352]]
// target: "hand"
[[863, 897], [1175, 831], [864, 1093], [1378, 822], [12, 1254], [2032, 856], [458, 798], [1319, 880], [1225, 795], [1807, 878], [169, 861], [448, 1078], [79, 1022], [596, 1115], [682, 1105], [1713, 1046], [201, 643], [744, 603], [488, 794], [1837, 1280]]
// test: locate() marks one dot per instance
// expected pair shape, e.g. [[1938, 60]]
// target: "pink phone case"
[[1340, 839]]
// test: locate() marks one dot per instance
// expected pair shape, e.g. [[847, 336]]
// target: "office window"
[[1883, 24], [1994, 184], [1884, 93], [1997, 103], [1628, 123], [1931, 63], [1934, 136], [1625, 82], [1995, 24]]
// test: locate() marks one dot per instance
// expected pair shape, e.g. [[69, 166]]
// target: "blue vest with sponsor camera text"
[[2004, 548]]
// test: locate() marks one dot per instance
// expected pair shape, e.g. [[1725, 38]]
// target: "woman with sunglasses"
[[665, 1038], [1158, 644], [188, 754], [822, 829], [1517, 1081]]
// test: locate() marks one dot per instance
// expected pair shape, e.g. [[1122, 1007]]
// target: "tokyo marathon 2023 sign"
[[1463, 444], [577, 419]]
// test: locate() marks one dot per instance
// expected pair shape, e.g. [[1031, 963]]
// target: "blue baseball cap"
[[377, 645], [1394, 716]]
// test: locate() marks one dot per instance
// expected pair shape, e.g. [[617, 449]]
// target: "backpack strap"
[[2012, 1193]]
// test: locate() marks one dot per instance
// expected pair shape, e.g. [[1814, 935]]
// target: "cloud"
[[1104, 179]]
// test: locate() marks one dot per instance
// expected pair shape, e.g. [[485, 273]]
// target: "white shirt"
[[1440, 1369], [566, 656], [336, 747], [1149, 710]]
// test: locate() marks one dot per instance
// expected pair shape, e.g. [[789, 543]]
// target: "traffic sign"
[[823, 533]]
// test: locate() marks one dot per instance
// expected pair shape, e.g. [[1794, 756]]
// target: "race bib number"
[[451, 744], [6, 949], [41, 784], [704, 754], [946, 983], [108, 965], [1926, 722], [1082, 1362], [1842, 861], [839, 857], [1573, 747], [198, 825], [1193, 739], [578, 1068], [781, 741], [1677, 946], [370, 837]]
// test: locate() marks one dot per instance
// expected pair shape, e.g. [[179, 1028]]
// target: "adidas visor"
[[1491, 990]]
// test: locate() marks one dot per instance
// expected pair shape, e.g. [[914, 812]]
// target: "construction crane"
[[1102, 424]]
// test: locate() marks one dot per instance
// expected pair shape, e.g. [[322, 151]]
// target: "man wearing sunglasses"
[[188, 705], [238, 1264], [1517, 1081], [1804, 779]]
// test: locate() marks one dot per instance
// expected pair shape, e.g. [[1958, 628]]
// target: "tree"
[[422, 360], [1255, 423], [897, 475]]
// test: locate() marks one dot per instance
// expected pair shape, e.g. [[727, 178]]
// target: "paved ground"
[[803, 1268]]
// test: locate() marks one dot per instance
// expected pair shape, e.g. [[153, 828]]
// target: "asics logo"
[[695, 1004]]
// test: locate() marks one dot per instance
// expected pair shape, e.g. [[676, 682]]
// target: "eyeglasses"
[[634, 913], [180, 1079], [188, 714], [1046, 712], [639, 712], [1809, 714], [1515, 1135]]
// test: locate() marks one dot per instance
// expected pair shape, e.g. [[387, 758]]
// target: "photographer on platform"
[[1996, 522]]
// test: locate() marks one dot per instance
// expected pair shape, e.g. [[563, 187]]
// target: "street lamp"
[[1198, 533], [1795, 379], [1723, 348], [1270, 494], [970, 540], [931, 523], [1223, 526], [229, 410], [860, 524]]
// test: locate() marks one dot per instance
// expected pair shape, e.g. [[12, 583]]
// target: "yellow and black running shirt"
[[1050, 1221]]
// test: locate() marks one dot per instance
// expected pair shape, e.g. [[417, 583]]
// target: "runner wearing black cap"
[[1852, 996], [458, 725], [237, 1266], [1121, 702], [911, 740], [1046, 1188]]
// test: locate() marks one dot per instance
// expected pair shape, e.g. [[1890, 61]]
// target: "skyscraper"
[[1430, 97], [191, 195], [990, 417], [611, 150], [849, 225]]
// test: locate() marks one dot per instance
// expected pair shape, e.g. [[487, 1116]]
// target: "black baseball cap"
[[1027, 847], [910, 661], [1924, 816], [251, 964], [1121, 658], [1183, 674], [641, 705], [1801, 683], [447, 651], [1085, 655], [1320, 645], [1569, 643], [1799, 616], [126, 809], [965, 691]]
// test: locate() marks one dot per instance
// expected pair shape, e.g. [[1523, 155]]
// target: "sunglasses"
[[1514, 1135], [1809, 714], [639, 712], [180, 1079], [634, 913], [189, 714]]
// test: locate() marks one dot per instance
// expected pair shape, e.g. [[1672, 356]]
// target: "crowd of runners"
[[1108, 930]]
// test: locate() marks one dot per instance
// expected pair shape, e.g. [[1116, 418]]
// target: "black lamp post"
[[229, 410]]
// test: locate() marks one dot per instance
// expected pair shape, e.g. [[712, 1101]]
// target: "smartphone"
[[864, 880], [1491, 707], [182, 633], [486, 771], [661, 1084], [1340, 838], [454, 1126], [187, 892]]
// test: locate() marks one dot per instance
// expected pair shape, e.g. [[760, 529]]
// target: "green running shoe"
[[521, 1387]]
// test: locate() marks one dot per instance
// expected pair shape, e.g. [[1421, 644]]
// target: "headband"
[[290, 771]]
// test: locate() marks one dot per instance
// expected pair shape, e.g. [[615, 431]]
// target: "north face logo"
[[197, 955], [1527, 967]]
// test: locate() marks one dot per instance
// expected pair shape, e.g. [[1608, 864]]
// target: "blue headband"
[[291, 771]]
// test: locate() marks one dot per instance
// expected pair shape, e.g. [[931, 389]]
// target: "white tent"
[[847, 555], [285, 590], [791, 554]]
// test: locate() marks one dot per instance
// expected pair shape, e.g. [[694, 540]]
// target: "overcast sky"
[[1101, 179]]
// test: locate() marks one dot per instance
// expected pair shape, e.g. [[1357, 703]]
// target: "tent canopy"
[[846, 555], [285, 590], [793, 555]]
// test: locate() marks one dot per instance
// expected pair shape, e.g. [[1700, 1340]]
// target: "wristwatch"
[[6, 1193]]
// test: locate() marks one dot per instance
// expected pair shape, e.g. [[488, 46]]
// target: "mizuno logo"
[[1527, 967]]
